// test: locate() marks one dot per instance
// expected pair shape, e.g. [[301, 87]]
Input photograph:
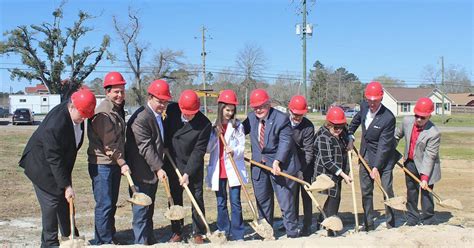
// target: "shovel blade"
[[398, 203], [175, 212], [333, 223], [140, 199], [323, 182], [217, 237], [451, 203], [263, 229]]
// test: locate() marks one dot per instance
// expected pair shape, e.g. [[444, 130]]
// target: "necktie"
[[160, 125], [261, 137]]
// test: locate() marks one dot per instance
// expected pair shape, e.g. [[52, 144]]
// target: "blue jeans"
[[143, 216], [105, 186], [235, 227]]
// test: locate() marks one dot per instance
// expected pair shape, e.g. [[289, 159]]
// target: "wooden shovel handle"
[[254, 212], [376, 179], [268, 168], [130, 181], [168, 191], [409, 173], [71, 217], [190, 195], [349, 156]]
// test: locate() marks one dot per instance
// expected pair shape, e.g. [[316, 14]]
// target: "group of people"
[[284, 142]]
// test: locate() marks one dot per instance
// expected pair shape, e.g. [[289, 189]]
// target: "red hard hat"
[[424, 107], [298, 105], [374, 91], [228, 97], [160, 89], [336, 115], [113, 78], [258, 97], [84, 101], [189, 102]]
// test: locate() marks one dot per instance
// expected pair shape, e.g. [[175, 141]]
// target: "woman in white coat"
[[220, 173]]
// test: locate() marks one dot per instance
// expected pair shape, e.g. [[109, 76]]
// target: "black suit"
[[378, 149], [48, 160], [187, 144]]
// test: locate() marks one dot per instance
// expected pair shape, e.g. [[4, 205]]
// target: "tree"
[[388, 81], [60, 46], [456, 79], [134, 51], [96, 85], [284, 88], [251, 62], [165, 62]]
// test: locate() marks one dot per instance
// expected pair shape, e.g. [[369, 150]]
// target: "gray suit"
[[144, 153], [425, 161]]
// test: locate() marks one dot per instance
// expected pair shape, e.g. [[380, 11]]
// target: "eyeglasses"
[[338, 127], [420, 117]]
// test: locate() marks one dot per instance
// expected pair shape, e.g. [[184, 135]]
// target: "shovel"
[[213, 237], [349, 156], [447, 203], [174, 212], [398, 203], [73, 241], [262, 227], [332, 223], [140, 199]]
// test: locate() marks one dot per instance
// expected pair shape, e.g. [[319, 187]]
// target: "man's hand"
[[125, 168], [184, 181], [229, 151], [424, 184], [276, 168], [299, 175], [374, 173], [161, 174], [347, 179], [350, 145], [69, 193]]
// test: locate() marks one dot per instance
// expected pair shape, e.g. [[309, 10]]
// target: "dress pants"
[[427, 205]]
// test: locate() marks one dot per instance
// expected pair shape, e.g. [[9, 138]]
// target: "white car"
[[350, 113]]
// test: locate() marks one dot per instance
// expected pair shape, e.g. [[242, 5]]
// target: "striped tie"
[[261, 137]]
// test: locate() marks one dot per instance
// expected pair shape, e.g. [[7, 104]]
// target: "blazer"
[[187, 142], [235, 138], [144, 145], [426, 155], [377, 140], [50, 154], [331, 156], [278, 142], [303, 136]]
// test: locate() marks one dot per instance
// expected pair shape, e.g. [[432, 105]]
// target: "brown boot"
[[176, 238], [198, 239]]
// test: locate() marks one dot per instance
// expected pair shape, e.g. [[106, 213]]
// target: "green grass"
[[454, 120]]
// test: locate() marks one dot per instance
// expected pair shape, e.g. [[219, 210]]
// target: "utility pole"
[[203, 55], [442, 88], [304, 50]]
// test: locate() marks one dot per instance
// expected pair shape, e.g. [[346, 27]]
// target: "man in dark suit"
[[187, 132], [48, 160], [144, 153], [378, 149], [272, 144], [303, 135]]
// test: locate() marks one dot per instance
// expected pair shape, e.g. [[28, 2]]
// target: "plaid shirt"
[[330, 157]]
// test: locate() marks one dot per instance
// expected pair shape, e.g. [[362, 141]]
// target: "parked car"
[[23, 115], [350, 113], [3, 112]]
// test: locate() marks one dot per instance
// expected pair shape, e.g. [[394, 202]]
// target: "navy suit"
[[278, 145], [378, 149]]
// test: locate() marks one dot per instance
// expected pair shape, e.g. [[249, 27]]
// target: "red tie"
[[262, 134]]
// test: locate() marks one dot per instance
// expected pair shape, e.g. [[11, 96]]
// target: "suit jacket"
[[278, 142], [303, 136], [144, 145], [377, 140], [426, 155], [187, 142], [49, 156]]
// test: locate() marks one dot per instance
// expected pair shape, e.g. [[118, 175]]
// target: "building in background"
[[462, 102]]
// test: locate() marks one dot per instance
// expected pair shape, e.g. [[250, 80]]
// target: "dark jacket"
[[49, 156], [187, 142], [144, 146], [330, 156], [303, 135], [378, 143]]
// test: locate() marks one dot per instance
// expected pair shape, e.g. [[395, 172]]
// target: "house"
[[38, 89], [463, 102], [401, 101], [39, 104]]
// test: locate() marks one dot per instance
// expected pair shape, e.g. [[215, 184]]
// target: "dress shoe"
[[305, 231], [175, 238], [198, 239]]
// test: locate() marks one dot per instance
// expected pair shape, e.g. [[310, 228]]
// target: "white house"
[[401, 101], [39, 104]]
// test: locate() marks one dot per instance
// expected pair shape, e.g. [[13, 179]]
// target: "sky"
[[369, 38]]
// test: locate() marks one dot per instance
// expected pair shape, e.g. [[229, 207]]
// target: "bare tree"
[[167, 61], [456, 79], [431, 76], [51, 40], [388, 81], [251, 61], [134, 50]]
